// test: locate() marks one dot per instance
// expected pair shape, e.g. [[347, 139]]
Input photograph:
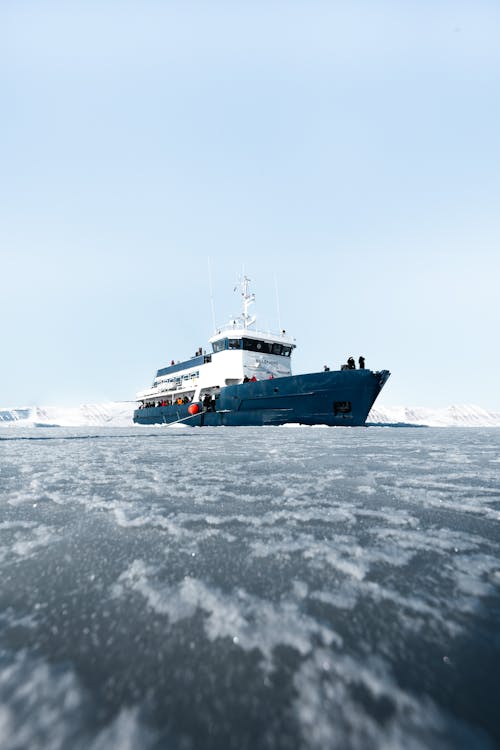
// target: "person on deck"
[[361, 361], [351, 365]]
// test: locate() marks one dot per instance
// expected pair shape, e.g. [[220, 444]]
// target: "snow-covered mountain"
[[119, 414], [112, 413], [465, 415]]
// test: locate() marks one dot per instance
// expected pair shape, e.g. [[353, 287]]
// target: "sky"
[[345, 155]]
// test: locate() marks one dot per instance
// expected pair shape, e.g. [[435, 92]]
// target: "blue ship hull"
[[338, 398]]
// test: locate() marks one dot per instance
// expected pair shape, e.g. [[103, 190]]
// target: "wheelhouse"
[[252, 345]]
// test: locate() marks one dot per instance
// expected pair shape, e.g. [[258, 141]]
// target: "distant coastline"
[[119, 414]]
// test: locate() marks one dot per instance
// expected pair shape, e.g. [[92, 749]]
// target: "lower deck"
[[337, 398]]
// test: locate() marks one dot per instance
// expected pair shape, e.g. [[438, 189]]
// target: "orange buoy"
[[193, 409]]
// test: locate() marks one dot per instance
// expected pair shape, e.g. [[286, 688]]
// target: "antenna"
[[247, 300], [277, 303], [212, 303]]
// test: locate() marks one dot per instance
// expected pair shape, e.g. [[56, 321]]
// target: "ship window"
[[266, 347], [234, 343], [252, 345], [342, 407], [219, 346]]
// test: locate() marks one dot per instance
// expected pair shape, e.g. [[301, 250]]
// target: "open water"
[[185, 589]]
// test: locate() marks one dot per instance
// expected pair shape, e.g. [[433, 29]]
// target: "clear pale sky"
[[347, 153]]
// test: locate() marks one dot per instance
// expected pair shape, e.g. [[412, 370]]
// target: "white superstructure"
[[238, 353]]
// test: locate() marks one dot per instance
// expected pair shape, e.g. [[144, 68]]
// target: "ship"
[[245, 379]]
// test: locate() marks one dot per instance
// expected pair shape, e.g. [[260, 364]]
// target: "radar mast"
[[247, 299]]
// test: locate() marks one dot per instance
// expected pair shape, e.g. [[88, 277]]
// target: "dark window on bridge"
[[234, 344], [219, 346], [266, 347], [342, 407], [252, 345]]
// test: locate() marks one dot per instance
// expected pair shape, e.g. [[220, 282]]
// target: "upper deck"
[[196, 361]]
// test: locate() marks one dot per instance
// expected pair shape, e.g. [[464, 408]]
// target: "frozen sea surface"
[[253, 588]]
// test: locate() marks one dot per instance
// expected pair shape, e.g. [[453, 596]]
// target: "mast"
[[247, 300]]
